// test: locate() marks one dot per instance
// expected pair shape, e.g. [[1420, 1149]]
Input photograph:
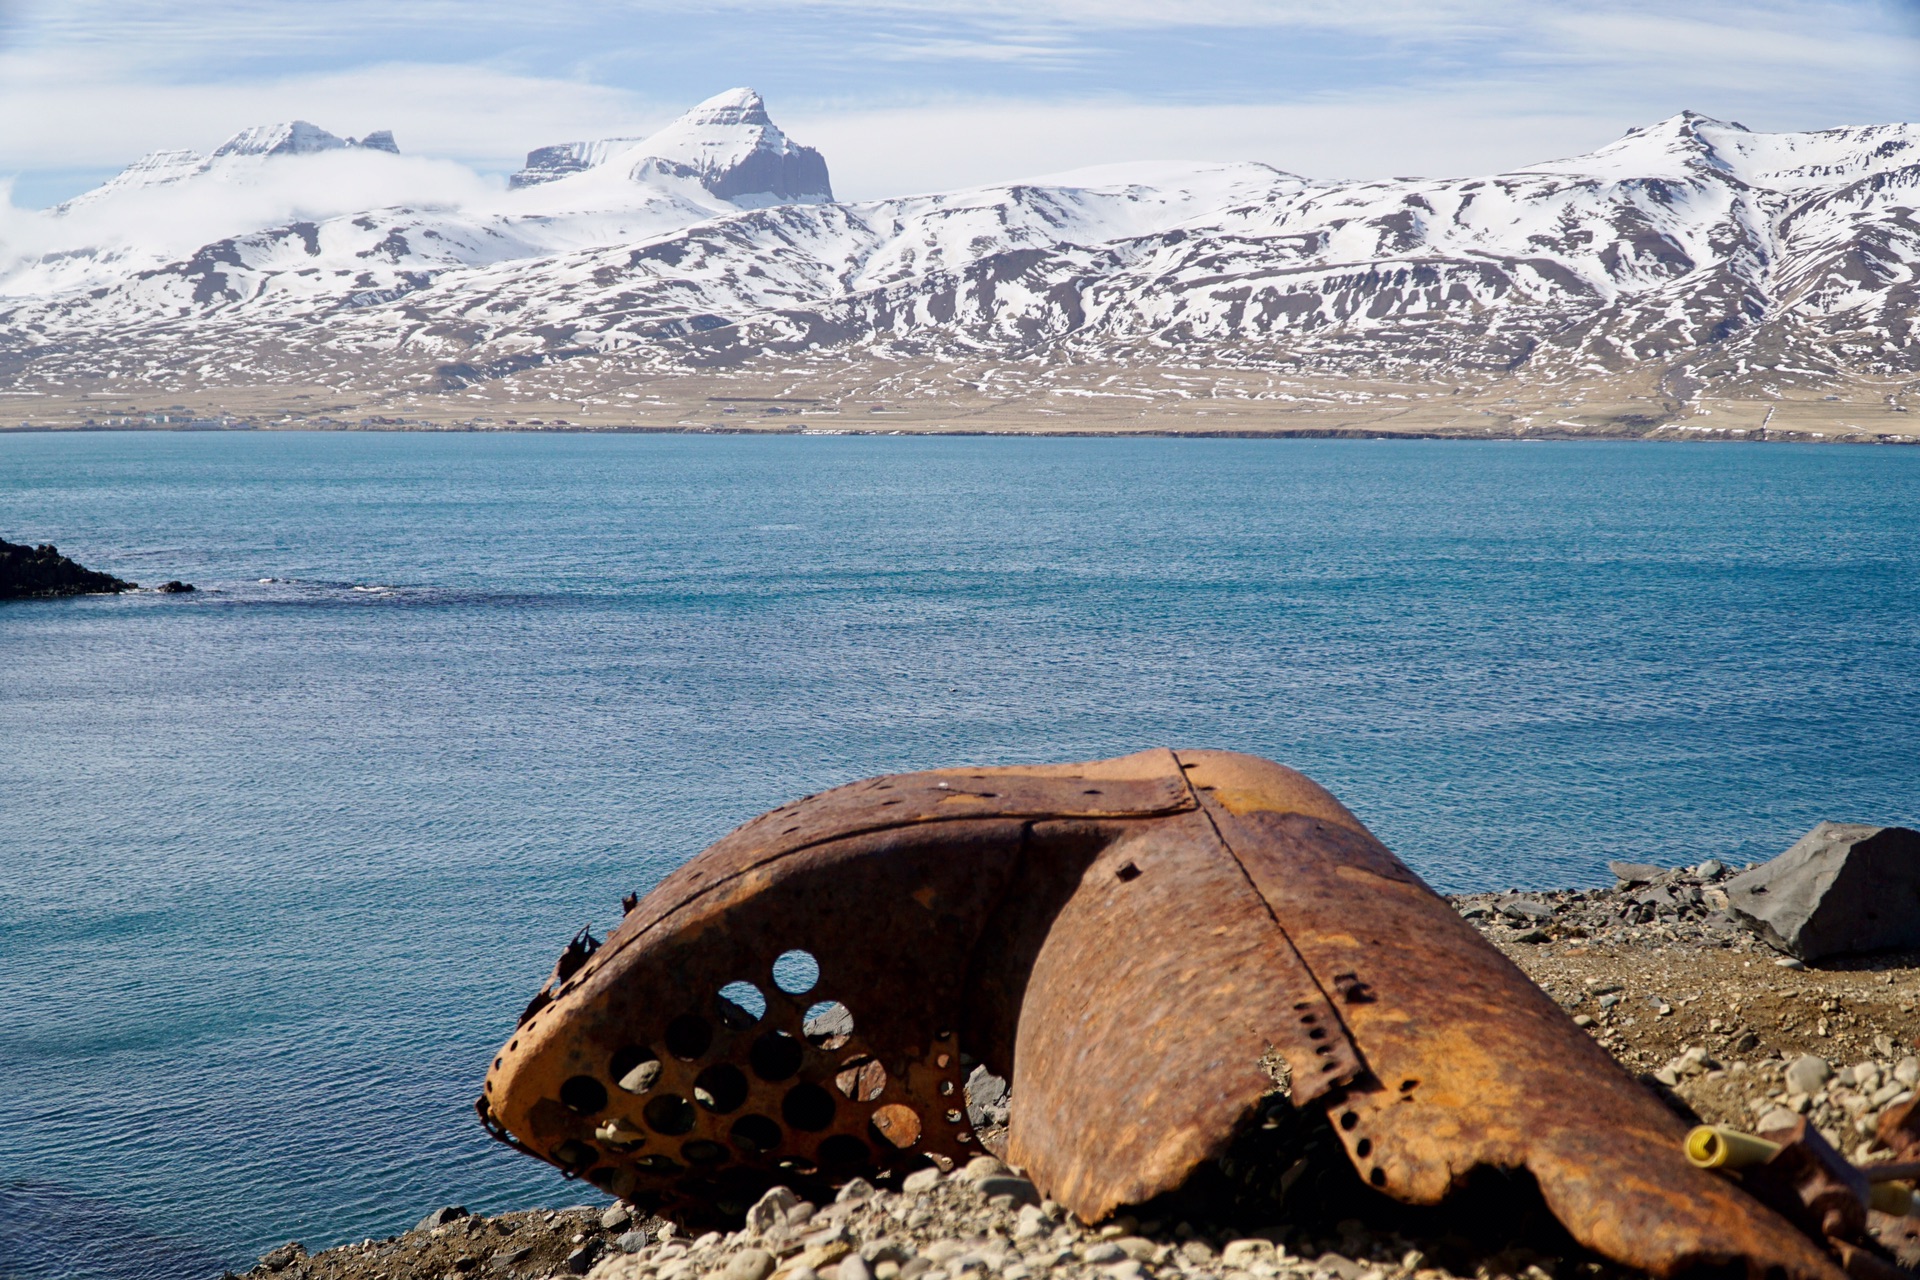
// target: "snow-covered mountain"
[[1693, 248], [727, 144]]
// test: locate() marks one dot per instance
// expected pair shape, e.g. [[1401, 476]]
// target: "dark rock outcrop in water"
[[42, 573], [174, 587]]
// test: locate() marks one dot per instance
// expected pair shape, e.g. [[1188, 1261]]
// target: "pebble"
[[917, 1182], [1102, 1251], [616, 1216], [1807, 1073], [749, 1264], [770, 1210]]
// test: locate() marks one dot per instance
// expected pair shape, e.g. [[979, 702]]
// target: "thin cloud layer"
[[915, 94]]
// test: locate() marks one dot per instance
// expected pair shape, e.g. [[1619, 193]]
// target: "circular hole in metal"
[[574, 1154], [703, 1153], [828, 1025], [796, 972], [670, 1114], [897, 1125], [808, 1107], [740, 1005], [1378, 1177], [1363, 1148], [634, 1069], [1348, 1119], [583, 1094], [721, 1087], [861, 1078], [775, 1056], [844, 1151], [1408, 1086], [755, 1135], [954, 1117], [1318, 1033], [689, 1036], [946, 1088]]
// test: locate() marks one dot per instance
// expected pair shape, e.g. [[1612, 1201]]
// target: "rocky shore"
[[1657, 969], [42, 573]]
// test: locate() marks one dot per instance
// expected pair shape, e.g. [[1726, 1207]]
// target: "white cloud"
[[72, 116], [1434, 86], [882, 153]]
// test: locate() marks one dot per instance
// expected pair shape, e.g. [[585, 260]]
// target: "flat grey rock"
[[1531, 910], [1842, 888], [1635, 872]]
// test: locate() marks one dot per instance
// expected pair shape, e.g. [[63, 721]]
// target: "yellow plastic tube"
[[1712, 1146]]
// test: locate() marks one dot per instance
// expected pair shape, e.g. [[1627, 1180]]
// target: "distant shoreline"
[[1662, 434]]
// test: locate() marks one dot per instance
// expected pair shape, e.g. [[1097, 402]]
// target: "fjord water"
[[280, 861]]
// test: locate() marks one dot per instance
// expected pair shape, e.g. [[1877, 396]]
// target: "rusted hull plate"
[[1124, 940]]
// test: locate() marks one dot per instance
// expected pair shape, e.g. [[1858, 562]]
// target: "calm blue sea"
[[280, 861]]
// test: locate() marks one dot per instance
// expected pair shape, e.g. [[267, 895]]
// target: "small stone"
[[854, 1267], [1126, 1269], [856, 1189], [1788, 962], [1198, 1252], [748, 1264], [1711, 869], [1582, 1020], [917, 1182], [617, 1215], [771, 1210], [1241, 1254], [1530, 910], [1908, 1072], [1139, 1248], [632, 1242], [1101, 1252], [984, 1167], [1807, 1073], [581, 1260], [642, 1077], [441, 1217], [1005, 1184], [1635, 872]]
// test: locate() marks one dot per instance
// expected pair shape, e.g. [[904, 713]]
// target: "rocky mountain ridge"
[[1691, 258]]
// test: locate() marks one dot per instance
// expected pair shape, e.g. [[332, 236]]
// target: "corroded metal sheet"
[[1124, 940]]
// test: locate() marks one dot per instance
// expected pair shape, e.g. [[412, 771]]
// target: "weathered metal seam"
[[1287, 939]]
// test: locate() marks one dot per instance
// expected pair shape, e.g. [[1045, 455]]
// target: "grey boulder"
[[1842, 888]]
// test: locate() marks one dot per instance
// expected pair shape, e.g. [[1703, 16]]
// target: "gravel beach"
[[1723, 1027]]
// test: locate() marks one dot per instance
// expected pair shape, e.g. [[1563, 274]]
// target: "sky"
[[918, 95]]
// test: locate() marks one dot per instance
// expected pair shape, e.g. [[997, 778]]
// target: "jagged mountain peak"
[[295, 137], [728, 144], [735, 106]]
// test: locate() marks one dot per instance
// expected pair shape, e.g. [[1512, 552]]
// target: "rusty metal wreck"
[[1124, 940]]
